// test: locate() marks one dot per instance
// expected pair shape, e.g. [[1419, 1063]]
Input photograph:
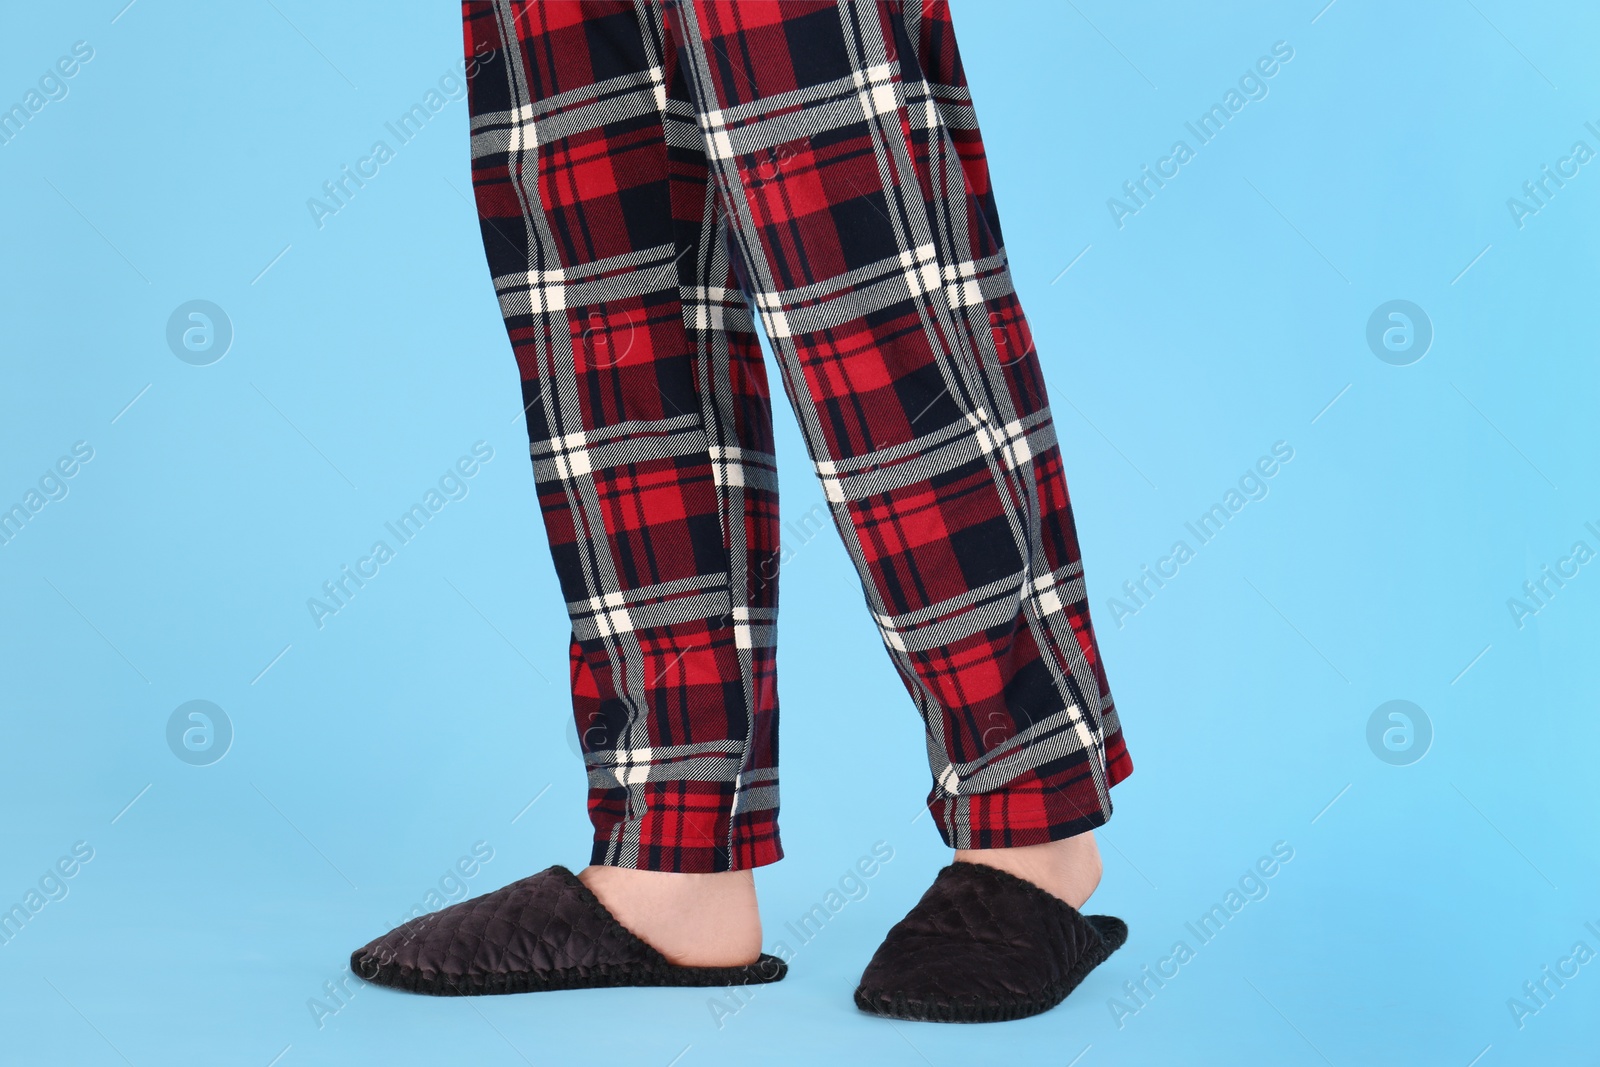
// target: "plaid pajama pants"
[[647, 175]]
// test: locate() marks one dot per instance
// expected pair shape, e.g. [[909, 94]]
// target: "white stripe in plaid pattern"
[[832, 487], [705, 762], [910, 275], [878, 92], [658, 85], [610, 614], [1046, 596], [877, 89], [632, 766], [571, 455], [921, 269], [727, 465], [707, 307], [1011, 440], [934, 453], [535, 292], [524, 131], [524, 127], [965, 614], [741, 627], [1056, 736], [650, 607], [961, 284]]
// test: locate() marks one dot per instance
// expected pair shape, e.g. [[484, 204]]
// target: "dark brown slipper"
[[547, 931], [984, 946]]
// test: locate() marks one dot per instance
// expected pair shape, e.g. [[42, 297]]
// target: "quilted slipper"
[[984, 946], [547, 931]]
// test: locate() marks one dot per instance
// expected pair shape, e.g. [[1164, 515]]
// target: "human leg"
[[872, 247], [650, 435], [871, 244], [648, 420]]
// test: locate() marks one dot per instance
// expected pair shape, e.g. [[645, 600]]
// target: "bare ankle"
[[694, 920], [1069, 868]]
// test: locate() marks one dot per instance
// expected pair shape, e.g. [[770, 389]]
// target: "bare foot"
[[694, 920], [1069, 868]]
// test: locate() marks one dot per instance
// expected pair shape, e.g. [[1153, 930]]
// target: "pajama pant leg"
[[848, 171], [855, 178], [649, 423]]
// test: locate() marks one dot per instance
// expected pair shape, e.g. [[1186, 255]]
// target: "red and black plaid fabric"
[[648, 172]]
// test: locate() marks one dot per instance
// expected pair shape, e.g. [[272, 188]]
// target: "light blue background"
[[1225, 316]]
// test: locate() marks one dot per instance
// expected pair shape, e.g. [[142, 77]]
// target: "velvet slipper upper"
[[983, 945], [547, 931]]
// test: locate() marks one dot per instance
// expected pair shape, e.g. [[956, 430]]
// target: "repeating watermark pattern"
[[1399, 733], [852, 887], [1252, 887], [1399, 332], [1537, 993], [1537, 594], [607, 339], [1538, 192], [1252, 485], [1138, 192], [52, 887], [452, 886], [199, 332], [337, 993], [338, 191], [339, 591], [793, 536], [51, 487], [594, 734], [199, 733], [52, 87]]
